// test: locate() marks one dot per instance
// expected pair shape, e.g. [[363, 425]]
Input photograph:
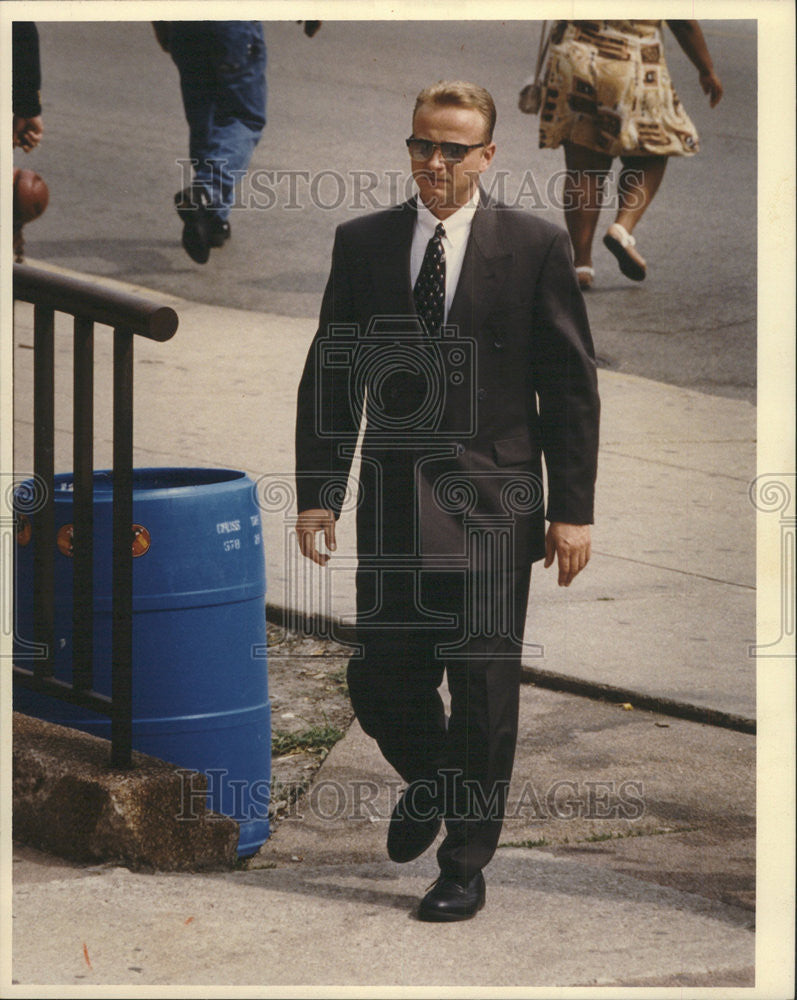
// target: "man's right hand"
[[308, 524]]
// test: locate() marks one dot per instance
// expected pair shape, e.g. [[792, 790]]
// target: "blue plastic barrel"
[[200, 681]]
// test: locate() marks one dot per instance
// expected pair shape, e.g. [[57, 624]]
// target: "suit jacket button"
[[498, 344], [460, 449], [481, 393]]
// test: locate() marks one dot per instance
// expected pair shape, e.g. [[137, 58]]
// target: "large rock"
[[69, 801]]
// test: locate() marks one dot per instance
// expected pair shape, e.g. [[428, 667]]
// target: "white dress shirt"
[[457, 227]]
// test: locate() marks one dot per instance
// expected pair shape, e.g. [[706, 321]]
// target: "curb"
[[651, 703], [324, 627]]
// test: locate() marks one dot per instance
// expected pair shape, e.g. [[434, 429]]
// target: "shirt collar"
[[456, 225]]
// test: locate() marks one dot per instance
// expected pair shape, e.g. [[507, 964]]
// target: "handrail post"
[[122, 641], [83, 505], [44, 472]]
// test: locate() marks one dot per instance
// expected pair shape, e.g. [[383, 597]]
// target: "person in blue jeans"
[[222, 67]]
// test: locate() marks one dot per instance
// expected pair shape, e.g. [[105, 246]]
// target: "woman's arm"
[[689, 36]]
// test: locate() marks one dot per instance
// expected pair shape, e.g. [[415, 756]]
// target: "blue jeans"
[[222, 66]]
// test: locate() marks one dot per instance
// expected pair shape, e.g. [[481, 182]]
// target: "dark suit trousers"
[[468, 757]]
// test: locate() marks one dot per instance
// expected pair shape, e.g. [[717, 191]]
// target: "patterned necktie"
[[430, 288]]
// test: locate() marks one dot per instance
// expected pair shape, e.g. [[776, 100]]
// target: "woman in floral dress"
[[607, 93]]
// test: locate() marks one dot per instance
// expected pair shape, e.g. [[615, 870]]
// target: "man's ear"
[[487, 157]]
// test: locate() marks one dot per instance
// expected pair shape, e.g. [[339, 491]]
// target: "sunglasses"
[[452, 152]]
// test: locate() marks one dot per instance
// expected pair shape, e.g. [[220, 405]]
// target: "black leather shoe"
[[449, 899], [414, 824], [193, 207]]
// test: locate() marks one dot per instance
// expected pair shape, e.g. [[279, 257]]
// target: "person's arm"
[[689, 36], [566, 383], [26, 85], [326, 418]]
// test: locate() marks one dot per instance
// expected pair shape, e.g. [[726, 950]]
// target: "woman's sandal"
[[585, 276], [621, 244]]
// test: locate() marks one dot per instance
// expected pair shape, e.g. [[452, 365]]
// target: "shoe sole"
[[628, 266], [441, 917]]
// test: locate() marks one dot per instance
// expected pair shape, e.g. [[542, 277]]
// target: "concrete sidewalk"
[[667, 606], [628, 857], [621, 864]]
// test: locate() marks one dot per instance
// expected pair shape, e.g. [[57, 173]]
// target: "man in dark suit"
[[456, 326]]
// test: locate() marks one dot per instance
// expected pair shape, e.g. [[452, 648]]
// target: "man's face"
[[445, 187]]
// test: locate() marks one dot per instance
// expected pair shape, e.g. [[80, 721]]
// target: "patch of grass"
[[282, 791], [542, 842], [597, 838], [339, 677], [285, 795], [251, 864], [317, 740]]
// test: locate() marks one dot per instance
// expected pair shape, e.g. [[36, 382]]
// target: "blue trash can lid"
[[158, 479]]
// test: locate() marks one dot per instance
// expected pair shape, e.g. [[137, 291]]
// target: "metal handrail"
[[129, 316], [110, 307]]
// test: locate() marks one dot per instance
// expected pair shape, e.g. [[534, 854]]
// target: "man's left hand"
[[570, 544]]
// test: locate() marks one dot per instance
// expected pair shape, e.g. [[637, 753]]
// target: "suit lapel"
[[484, 269], [389, 263]]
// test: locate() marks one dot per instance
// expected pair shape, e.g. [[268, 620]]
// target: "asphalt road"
[[339, 110]]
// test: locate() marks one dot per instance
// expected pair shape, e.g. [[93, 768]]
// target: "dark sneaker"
[[193, 207], [220, 232]]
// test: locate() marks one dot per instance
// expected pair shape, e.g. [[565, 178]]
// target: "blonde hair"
[[460, 94]]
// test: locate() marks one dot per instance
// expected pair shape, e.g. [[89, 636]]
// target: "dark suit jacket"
[[457, 427]]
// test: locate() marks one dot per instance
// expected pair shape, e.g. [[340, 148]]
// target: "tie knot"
[[439, 230]]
